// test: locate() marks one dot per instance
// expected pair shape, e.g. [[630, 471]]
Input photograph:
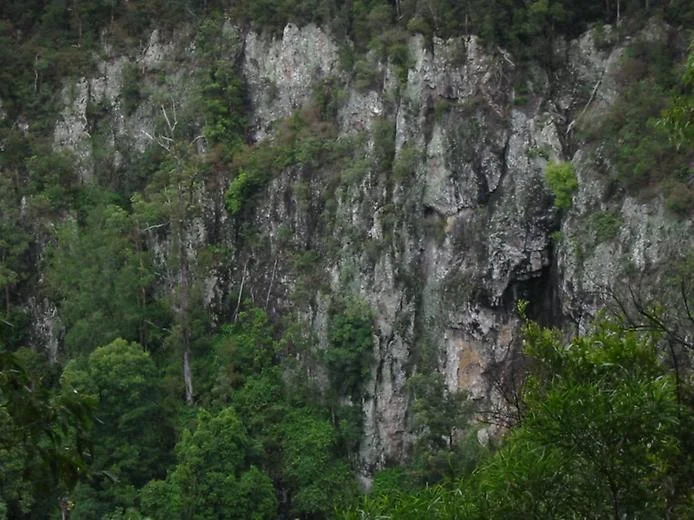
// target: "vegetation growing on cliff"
[[603, 434], [563, 183], [167, 399]]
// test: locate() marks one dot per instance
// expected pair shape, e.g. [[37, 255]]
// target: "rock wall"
[[440, 251]]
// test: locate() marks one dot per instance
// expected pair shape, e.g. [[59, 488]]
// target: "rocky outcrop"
[[442, 246]]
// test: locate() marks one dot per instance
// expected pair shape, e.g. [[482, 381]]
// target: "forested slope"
[[261, 258]]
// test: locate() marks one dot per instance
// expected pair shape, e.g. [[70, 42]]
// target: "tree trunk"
[[184, 296], [238, 302], [187, 376], [272, 280]]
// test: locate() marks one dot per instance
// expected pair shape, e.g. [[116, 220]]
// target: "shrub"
[[605, 225], [562, 181], [350, 333], [520, 100], [680, 198], [384, 144], [366, 75], [130, 93], [441, 107], [419, 25], [238, 193], [405, 163]]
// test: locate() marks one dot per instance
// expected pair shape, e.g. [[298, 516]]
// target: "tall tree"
[[43, 438], [600, 437], [131, 435], [215, 475], [167, 211], [101, 277]]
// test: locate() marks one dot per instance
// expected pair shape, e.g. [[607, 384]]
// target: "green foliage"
[[304, 140], [645, 130], [130, 92], [103, 279], [602, 436], [563, 182], [348, 358], [53, 176], [245, 348], [327, 98], [132, 438], [320, 481], [528, 27], [678, 119], [384, 145], [406, 163], [224, 105], [262, 404], [537, 151], [15, 267], [238, 192], [43, 437], [280, 439], [441, 418], [677, 122], [437, 501], [418, 25], [600, 431], [605, 225], [602, 40], [214, 476], [366, 75]]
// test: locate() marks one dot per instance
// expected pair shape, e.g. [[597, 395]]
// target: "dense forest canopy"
[[152, 409]]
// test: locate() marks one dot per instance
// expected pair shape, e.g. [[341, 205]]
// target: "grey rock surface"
[[441, 255]]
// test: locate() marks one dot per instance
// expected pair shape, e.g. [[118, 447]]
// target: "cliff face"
[[440, 218]]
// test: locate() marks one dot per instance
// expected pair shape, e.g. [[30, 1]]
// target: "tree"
[[563, 183], [677, 121], [171, 203], [317, 479], [214, 476], [441, 418], [43, 438], [14, 246], [131, 433], [101, 276], [600, 436], [246, 347], [350, 332], [603, 436]]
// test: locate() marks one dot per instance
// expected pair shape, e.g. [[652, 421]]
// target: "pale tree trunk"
[[187, 376], [184, 301], [36, 73], [272, 280], [179, 214], [184, 319], [238, 302]]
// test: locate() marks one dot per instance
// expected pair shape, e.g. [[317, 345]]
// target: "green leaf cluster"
[[305, 141], [645, 132], [603, 434], [44, 443], [131, 433], [214, 476], [562, 180], [349, 356]]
